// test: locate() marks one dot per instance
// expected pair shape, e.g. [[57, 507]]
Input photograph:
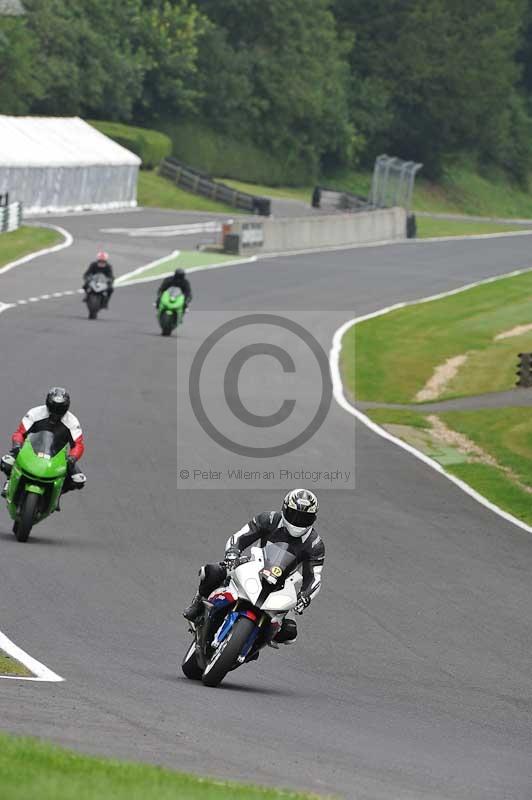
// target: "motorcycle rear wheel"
[[22, 528], [224, 659]]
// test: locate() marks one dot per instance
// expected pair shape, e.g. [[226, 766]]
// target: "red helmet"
[[102, 256]]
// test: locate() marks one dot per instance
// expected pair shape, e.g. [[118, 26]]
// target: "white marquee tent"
[[64, 164]]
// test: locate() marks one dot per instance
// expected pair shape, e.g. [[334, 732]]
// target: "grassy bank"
[[150, 146], [26, 240], [429, 227], [493, 454], [30, 768], [159, 192], [397, 353], [8, 666], [462, 189]]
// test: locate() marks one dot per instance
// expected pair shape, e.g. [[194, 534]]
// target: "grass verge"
[[505, 434], [26, 240], [156, 191], [397, 353], [429, 227], [302, 193], [186, 259], [30, 768], [9, 666], [501, 471], [462, 190]]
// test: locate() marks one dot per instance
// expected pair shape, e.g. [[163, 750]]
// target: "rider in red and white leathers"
[[55, 417]]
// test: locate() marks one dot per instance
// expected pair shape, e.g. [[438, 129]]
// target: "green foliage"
[[112, 59], [19, 84], [168, 36], [297, 88], [151, 146], [232, 156], [448, 73], [292, 95]]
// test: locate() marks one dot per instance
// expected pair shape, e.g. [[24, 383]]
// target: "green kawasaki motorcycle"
[[36, 478], [171, 310]]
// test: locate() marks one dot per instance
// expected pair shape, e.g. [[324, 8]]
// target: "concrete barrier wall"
[[317, 232]]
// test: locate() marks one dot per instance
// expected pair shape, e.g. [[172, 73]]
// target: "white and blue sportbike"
[[244, 616]]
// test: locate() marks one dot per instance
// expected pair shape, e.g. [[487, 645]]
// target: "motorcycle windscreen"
[[277, 577], [279, 561], [46, 442], [44, 455]]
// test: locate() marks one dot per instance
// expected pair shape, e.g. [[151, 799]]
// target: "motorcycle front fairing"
[[98, 284], [263, 588], [41, 468]]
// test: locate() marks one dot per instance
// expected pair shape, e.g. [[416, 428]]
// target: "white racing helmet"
[[300, 509]]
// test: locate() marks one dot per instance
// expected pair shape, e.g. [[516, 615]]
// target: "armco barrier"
[[316, 232], [198, 182], [10, 217], [341, 201]]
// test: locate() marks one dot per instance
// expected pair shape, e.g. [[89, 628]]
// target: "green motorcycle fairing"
[[40, 468], [172, 303]]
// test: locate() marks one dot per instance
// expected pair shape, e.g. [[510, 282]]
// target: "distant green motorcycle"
[[171, 310], [36, 478]]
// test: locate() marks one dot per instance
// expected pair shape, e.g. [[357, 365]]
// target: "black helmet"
[[57, 402], [179, 273], [300, 509]]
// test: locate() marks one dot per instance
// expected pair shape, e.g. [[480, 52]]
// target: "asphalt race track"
[[412, 676]]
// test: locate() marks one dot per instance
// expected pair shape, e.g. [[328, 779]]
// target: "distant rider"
[[55, 417], [178, 279], [293, 525], [100, 267]]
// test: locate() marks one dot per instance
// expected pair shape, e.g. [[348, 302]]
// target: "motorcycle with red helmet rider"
[[103, 267]]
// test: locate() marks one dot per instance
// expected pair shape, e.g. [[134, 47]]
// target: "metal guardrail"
[[198, 182], [342, 201]]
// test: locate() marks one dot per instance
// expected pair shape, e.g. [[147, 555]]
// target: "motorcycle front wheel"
[[93, 304], [167, 324], [190, 665], [23, 526], [224, 659]]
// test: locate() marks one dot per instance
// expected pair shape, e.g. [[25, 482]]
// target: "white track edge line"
[[41, 672], [339, 396], [68, 239]]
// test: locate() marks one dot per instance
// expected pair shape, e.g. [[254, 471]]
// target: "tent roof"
[[57, 141]]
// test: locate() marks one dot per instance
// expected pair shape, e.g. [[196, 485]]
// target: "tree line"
[[329, 83]]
